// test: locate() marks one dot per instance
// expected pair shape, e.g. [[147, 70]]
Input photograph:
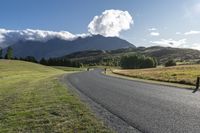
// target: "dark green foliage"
[[43, 61], [59, 62], [155, 62], [170, 63], [198, 62], [1, 53], [137, 61], [147, 62], [9, 54], [52, 61], [15, 58], [30, 59]]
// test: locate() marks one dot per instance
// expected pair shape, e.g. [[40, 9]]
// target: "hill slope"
[[161, 53], [164, 53]]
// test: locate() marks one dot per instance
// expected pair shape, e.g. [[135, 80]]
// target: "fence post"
[[197, 84]]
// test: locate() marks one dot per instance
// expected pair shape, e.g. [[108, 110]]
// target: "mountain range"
[[96, 46], [57, 47]]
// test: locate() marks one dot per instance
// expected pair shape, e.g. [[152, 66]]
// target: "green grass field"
[[183, 74], [33, 100], [69, 68]]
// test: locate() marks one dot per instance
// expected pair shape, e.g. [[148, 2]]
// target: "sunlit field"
[[184, 74], [33, 100], [69, 68]]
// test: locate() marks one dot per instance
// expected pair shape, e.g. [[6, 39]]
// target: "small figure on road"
[[105, 70], [88, 69]]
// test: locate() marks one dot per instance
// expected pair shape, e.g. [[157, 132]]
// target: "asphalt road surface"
[[147, 107]]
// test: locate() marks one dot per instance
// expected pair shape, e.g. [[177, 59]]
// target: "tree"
[[9, 54], [148, 63], [30, 59], [155, 62], [137, 61], [170, 63], [1, 53], [43, 61]]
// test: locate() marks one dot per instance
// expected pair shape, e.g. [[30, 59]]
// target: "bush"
[[170, 63], [29, 59], [137, 61], [59, 62], [198, 62]]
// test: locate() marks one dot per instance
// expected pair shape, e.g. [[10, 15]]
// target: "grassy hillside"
[[178, 54], [69, 69], [162, 54], [32, 100], [185, 74]]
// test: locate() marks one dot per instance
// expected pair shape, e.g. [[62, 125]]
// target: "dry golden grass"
[[185, 74]]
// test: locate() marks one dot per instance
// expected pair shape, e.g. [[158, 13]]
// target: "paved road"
[[147, 107]]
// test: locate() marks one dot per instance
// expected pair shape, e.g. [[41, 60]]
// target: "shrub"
[[170, 63], [137, 61]]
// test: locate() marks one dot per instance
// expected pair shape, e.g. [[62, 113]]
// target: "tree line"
[[43, 61], [59, 62], [134, 61]]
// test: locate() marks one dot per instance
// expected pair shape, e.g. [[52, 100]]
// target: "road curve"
[[147, 107]]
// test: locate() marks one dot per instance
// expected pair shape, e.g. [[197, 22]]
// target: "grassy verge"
[[185, 75], [151, 81], [32, 100]]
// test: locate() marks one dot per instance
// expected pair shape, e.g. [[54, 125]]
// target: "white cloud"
[[110, 23], [152, 29], [1, 35], [170, 42], [182, 43], [192, 32], [8, 37], [155, 34]]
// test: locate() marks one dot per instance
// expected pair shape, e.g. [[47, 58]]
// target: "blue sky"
[[164, 22]]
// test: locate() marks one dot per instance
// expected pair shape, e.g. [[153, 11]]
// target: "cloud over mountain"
[[110, 23], [8, 37], [170, 42]]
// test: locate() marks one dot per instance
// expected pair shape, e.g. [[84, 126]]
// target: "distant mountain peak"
[[57, 47]]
